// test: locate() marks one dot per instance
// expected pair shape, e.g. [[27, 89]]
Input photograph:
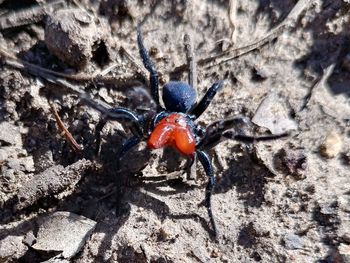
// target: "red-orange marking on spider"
[[174, 131]]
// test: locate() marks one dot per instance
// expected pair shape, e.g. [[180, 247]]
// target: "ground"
[[286, 200]]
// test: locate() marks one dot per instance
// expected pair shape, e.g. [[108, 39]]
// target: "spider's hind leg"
[[208, 168]]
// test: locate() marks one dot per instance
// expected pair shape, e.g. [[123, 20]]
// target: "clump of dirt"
[[283, 200], [75, 37]]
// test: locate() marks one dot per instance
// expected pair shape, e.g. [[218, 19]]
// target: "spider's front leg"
[[153, 74], [121, 114], [208, 168], [207, 98]]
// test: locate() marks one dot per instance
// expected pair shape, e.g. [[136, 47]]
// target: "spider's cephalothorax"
[[175, 124]]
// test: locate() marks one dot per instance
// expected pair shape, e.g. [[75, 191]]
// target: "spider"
[[175, 124]]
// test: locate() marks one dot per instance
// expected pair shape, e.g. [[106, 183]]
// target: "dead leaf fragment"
[[273, 114]]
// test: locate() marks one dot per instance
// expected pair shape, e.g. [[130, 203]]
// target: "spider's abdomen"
[[178, 96], [174, 131]]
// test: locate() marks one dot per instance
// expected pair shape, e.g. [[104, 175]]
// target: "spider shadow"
[[247, 176], [131, 188]]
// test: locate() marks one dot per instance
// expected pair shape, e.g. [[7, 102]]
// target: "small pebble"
[[214, 253], [346, 237], [63, 231], [292, 241], [10, 134], [163, 234], [343, 255], [12, 247], [332, 145], [344, 203], [104, 95]]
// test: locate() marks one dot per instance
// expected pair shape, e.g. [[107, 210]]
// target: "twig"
[[230, 54], [78, 90], [12, 61], [29, 15], [191, 61], [72, 142], [232, 16]]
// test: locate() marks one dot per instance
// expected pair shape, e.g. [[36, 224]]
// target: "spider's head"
[[179, 96]]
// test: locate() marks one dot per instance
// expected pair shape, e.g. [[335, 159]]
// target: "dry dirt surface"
[[286, 66]]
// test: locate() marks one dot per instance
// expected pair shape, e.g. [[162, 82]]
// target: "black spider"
[[175, 124]]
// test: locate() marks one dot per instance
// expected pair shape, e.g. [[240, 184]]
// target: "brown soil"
[[279, 201]]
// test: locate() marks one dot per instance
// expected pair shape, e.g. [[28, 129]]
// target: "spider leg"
[[213, 133], [207, 98], [119, 114], [208, 168], [250, 139], [153, 77], [213, 139], [128, 144]]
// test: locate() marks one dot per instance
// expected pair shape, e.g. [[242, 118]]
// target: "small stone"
[[214, 253], [346, 237], [260, 73], [21, 164], [332, 145], [12, 248], [344, 203], [63, 231], [292, 241], [104, 95], [294, 208], [326, 213], [10, 134], [29, 238], [200, 254], [163, 235], [343, 254]]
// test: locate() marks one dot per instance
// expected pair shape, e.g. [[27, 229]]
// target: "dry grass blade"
[[230, 54], [191, 61], [232, 16]]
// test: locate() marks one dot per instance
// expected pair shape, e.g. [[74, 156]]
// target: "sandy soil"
[[279, 201]]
